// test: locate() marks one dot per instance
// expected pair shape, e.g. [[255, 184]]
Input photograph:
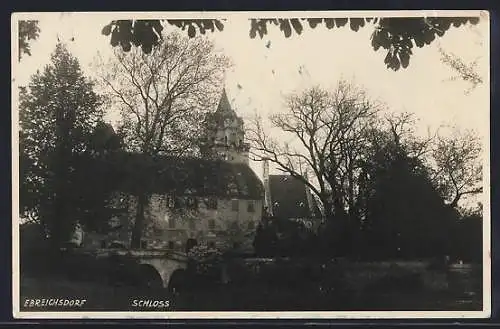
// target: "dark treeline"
[[458, 236], [404, 216]]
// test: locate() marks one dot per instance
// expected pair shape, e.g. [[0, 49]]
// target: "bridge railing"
[[133, 253]]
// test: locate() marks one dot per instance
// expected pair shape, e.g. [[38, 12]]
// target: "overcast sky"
[[318, 56]]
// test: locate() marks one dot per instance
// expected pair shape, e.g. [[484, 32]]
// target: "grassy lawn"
[[102, 297]]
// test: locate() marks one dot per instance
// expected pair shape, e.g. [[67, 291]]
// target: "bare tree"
[[458, 165], [401, 129], [161, 97], [328, 131]]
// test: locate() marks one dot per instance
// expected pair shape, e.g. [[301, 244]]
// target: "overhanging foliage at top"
[[396, 35]]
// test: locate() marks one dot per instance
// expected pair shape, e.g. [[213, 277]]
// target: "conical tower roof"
[[224, 105]]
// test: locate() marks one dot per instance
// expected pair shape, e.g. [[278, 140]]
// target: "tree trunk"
[[328, 209], [61, 221], [142, 201]]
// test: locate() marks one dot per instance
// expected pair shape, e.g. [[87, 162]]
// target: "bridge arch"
[[178, 281], [155, 270], [149, 276]]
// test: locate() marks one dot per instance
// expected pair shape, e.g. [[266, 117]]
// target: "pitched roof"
[[185, 176], [289, 198]]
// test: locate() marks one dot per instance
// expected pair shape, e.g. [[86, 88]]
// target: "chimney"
[[267, 189]]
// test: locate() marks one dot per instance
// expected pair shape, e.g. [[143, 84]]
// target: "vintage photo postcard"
[[247, 165]]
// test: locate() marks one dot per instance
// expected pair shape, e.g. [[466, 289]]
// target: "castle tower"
[[226, 134]]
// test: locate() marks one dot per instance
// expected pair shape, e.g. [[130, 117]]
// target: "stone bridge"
[[155, 268]]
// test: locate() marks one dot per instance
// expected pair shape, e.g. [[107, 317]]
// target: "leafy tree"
[[280, 236], [58, 113], [93, 195], [104, 140], [406, 216], [396, 35], [28, 30], [468, 235], [161, 97]]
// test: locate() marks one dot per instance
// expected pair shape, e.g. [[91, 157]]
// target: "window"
[[235, 205], [192, 225], [190, 243], [170, 244], [157, 231], [234, 226], [171, 221], [179, 203], [191, 203], [212, 203], [211, 224], [211, 245], [251, 206], [251, 225]]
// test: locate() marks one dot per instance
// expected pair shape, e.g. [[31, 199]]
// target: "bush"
[[204, 260]]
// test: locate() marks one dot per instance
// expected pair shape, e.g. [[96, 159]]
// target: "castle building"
[[215, 200]]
